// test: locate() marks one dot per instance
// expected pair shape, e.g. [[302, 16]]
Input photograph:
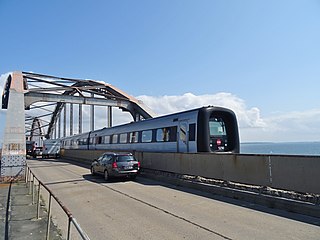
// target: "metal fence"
[[30, 180]]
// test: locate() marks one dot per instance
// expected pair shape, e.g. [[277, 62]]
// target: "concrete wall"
[[82, 155], [297, 173]]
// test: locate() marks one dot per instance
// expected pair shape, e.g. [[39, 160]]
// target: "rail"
[[30, 182]]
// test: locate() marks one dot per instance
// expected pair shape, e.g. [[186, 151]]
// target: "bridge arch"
[[49, 95]]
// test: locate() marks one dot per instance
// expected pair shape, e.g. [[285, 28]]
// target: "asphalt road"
[[147, 209]]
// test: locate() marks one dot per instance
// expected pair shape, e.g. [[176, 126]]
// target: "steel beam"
[[92, 115], [109, 116], [65, 120], [44, 88], [80, 118], [59, 126], [33, 97], [71, 119]]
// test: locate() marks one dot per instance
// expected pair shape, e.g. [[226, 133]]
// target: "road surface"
[[151, 210]]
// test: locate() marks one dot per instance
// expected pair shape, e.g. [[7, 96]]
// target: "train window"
[[83, 141], [183, 131], [106, 139], [147, 136], [91, 141], [115, 138], [163, 135], [123, 137], [173, 134], [160, 135], [134, 137], [192, 132], [218, 135], [168, 134], [98, 140], [217, 127]]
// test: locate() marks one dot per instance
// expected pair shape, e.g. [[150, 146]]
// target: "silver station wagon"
[[116, 165]]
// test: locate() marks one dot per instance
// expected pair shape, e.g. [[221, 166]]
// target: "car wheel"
[[106, 175], [92, 171]]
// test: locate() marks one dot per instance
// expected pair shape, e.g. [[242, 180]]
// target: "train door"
[[183, 137]]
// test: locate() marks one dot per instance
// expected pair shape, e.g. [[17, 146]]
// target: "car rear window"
[[125, 158]]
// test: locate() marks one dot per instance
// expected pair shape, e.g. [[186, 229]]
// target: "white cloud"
[[292, 126], [247, 117]]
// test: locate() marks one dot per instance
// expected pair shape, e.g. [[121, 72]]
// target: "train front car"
[[217, 130]]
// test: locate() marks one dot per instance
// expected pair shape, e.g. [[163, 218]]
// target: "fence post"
[[33, 190], [38, 203], [27, 178], [69, 228], [30, 183], [26, 175], [49, 216]]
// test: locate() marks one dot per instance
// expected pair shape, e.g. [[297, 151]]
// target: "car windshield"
[[125, 158]]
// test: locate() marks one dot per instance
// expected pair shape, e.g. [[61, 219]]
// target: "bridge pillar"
[[80, 118], [13, 157], [109, 117], [92, 115], [71, 119], [59, 126], [65, 120]]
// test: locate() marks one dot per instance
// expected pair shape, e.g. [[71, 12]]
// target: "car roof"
[[118, 154]]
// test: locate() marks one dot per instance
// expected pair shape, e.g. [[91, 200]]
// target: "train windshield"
[[217, 127], [218, 135]]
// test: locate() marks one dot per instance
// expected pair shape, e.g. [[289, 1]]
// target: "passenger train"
[[206, 129]]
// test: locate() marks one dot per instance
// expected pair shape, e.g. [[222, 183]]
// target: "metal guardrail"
[[30, 182]]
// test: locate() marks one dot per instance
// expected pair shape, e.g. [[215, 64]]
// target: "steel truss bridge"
[[41, 106]]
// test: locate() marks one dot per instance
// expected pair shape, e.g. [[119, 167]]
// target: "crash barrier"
[[287, 172], [31, 184]]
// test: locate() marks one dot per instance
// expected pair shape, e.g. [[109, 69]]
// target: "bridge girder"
[[39, 88]]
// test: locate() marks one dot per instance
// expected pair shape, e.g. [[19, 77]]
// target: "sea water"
[[287, 148]]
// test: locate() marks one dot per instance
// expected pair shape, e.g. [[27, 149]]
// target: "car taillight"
[[114, 165], [139, 164]]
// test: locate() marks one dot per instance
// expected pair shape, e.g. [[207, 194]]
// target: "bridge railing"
[[31, 180]]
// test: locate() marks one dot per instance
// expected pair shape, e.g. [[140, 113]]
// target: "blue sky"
[[260, 58]]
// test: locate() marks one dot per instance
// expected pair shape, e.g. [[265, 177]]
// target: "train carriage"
[[206, 129]]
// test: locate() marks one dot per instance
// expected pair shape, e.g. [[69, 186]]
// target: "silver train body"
[[206, 129]]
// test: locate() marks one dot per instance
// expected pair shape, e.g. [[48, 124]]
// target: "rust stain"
[[4, 185]]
